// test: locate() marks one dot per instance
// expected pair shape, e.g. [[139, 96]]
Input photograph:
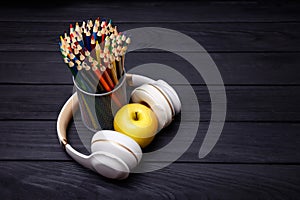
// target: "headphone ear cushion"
[[150, 95], [118, 144], [171, 93]]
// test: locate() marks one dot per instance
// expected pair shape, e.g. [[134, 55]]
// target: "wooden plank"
[[65, 180], [239, 142], [252, 160], [235, 68], [166, 11], [249, 103], [216, 37]]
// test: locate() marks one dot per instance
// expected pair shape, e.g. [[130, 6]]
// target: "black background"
[[256, 46]]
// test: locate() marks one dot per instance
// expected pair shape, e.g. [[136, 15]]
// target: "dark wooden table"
[[256, 47]]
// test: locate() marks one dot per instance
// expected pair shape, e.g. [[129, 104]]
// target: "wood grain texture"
[[239, 142], [165, 11], [68, 180], [255, 45], [274, 37], [248, 103], [235, 68]]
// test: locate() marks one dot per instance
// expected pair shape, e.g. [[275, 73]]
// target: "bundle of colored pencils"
[[94, 53]]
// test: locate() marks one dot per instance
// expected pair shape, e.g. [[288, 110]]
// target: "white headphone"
[[114, 154]]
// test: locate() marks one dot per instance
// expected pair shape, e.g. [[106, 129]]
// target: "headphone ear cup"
[[119, 145], [152, 97], [171, 93], [109, 165]]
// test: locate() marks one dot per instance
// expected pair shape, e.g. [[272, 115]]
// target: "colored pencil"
[[94, 52]]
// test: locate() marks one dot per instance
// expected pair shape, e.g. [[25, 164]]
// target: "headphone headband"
[[137, 80], [64, 118]]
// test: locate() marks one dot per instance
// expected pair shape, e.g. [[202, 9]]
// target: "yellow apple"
[[138, 122]]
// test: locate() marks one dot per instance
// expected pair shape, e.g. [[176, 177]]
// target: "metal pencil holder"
[[98, 110]]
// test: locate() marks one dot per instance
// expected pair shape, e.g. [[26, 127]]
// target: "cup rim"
[[101, 94]]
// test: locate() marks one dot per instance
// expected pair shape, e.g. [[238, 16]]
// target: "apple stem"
[[136, 116]]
